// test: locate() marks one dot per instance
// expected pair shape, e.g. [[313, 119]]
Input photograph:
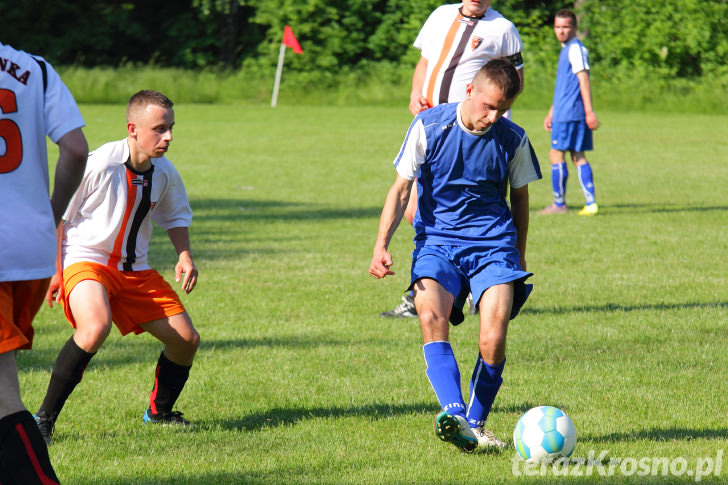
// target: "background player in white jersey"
[[106, 232], [34, 103], [571, 118], [455, 42], [467, 238]]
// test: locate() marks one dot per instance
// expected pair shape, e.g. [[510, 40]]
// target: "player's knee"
[[492, 354], [193, 340], [492, 345], [92, 334], [579, 158], [188, 343], [430, 318]]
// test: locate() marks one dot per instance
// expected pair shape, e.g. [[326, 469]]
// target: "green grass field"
[[298, 380]]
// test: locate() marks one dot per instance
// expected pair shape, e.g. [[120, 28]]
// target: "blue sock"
[[444, 375], [559, 174], [484, 386], [586, 179]]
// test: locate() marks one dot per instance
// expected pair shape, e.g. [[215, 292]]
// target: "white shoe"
[[486, 439], [472, 310], [406, 309]]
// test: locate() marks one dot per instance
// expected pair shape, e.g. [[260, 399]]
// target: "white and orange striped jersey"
[[456, 47], [109, 219], [34, 103]]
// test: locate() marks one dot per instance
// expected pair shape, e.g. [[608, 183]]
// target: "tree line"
[[673, 38]]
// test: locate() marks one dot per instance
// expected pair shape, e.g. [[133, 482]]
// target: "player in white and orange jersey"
[[106, 277], [455, 42], [34, 103]]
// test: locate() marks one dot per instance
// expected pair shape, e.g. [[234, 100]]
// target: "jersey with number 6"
[[34, 103]]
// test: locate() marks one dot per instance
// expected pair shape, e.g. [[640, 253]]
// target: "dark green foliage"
[[627, 38], [115, 32], [673, 38]]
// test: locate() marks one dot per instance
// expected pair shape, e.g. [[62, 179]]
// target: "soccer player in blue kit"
[[467, 238], [571, 118]]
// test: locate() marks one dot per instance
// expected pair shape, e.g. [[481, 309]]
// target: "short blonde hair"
[[501, 73], [145, 97]]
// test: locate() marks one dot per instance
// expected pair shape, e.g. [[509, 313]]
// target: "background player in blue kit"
[[464, 156], [571, 118]]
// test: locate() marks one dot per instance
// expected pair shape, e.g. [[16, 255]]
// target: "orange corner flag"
[[290, 40]]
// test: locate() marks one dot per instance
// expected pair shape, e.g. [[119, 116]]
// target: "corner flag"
[[289, 40]]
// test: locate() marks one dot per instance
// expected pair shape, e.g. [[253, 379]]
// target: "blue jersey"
[[568, 104], [462, 177]]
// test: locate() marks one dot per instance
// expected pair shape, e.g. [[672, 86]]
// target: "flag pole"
[[279, 69]]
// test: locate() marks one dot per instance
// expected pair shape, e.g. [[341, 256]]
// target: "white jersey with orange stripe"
[[109, 219], [34, 103], [456, 47]]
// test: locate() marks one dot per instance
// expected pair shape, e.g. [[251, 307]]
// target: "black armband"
[[516, 59]]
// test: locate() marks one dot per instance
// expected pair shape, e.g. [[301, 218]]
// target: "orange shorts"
[[135, 297], [19, 302]]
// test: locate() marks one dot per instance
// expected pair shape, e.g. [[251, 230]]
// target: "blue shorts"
[[467, 269], [571, 135]]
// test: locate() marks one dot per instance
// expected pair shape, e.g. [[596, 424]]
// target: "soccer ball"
[[544, 434]]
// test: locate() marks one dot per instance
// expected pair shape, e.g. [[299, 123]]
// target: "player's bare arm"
[[72, 155], [585, 87], [180, 238], [519, 209], [418, 102], [392, 213], [549, 117], [55, 287], [520, 76]]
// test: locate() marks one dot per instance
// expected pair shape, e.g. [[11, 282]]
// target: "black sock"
[[67, 373], [169, 379], [23, 453]]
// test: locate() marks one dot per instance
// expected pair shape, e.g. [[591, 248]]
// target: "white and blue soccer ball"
[[544, 434]]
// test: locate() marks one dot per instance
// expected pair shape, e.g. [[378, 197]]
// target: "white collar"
[[465, 128]]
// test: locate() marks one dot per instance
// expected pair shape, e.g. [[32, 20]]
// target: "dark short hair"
[[146, 97], [501, 73], [565, 13]]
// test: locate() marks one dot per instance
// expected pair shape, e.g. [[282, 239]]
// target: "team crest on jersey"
[[475, 42]]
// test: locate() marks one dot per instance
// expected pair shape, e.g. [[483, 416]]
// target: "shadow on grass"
[[287, 416], [276, 417], [280, 474], [660, 434], [614, 210], [658, 208], [221, 228], [287, 341], [614, 307], [222, 210], [113, 354]]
